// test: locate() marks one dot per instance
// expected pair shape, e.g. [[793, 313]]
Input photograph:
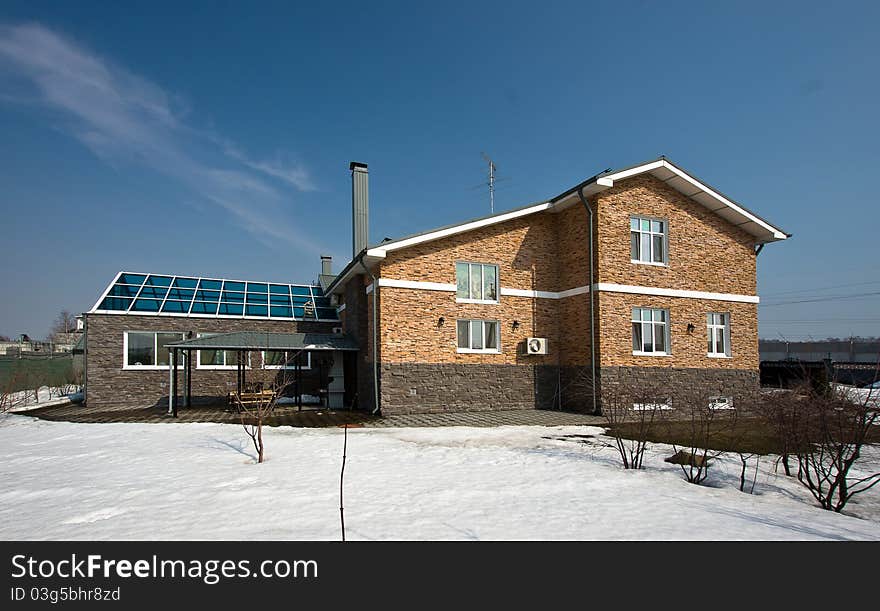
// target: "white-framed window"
[[648, 240], [650, 331], [721, 402], [478, 336], [217, 359], [476, 282], [718, 330], [277, 359], [647, 405], [148, 349]]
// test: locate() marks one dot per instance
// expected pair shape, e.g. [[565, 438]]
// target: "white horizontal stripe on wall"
[[507, 292], [661, 292]]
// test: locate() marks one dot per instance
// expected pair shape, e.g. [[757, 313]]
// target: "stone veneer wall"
[[109, 385]]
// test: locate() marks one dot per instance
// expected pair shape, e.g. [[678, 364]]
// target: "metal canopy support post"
[[188, 356], [170, 387], [174, 382]]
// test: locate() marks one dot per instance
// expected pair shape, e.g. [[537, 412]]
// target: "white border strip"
[[602, 286], [661, 292]]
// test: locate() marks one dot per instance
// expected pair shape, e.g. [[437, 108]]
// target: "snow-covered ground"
[[199, 481], [44, 396]]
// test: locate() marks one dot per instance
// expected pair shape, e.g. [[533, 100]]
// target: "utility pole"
[[492, 169]]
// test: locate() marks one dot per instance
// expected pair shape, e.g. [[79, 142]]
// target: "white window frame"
[[223, 367], [483, 267], [666, 328], [651, 233], [155, 334], [721, 402], [657, 404], [712, 330], [482, 322], [308, 364]]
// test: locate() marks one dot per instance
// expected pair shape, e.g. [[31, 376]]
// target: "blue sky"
[[214, 140]]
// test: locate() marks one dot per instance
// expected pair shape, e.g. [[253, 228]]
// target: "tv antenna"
[[492, 169]]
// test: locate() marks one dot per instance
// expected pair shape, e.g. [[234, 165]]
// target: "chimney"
[[360, 200], [326, 265]]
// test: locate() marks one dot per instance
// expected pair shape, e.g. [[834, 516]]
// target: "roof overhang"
[[662, 169], [257, 340], [686, 184]]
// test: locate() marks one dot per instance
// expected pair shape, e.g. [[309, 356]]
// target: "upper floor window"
[[148, 349], [718, 326], [478, 336], [650, 331], [476, 282], [648, 240]]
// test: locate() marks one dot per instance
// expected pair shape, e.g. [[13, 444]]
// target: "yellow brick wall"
[[706, 253], [523, 248], [687, 349], [410, 332]]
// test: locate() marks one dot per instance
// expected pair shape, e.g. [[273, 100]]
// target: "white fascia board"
[[662, 292], [779, 235], [380, 251], [631, 172], [608, 181]]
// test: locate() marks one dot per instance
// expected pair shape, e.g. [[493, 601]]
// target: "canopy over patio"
[[247, 341]]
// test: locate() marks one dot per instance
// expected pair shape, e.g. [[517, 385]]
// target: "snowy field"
[[199, 481], [44, 396]]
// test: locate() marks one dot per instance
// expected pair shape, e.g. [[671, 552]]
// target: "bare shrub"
[[705, 420], [631, 407], [826, 432]]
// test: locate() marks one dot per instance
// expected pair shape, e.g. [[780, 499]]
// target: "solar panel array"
[[183, 295]]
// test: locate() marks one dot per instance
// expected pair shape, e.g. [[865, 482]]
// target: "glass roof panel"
[[132, 278], [159, 281], [186, 283], [184, 295]]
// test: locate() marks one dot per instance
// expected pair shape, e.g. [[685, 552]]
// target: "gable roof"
[[661, 168]]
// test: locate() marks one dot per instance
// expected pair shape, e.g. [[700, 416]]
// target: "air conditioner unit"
[[337, 330], [536, 345]]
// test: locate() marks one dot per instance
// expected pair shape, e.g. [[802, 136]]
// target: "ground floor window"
[[146, 349], [216, 359], [276, 359], [718, 326], [478, 336], [720, 402], [650, 331]]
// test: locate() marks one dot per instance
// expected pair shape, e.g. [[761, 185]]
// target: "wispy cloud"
[[124, 118]]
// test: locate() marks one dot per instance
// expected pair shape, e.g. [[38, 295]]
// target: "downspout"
[[375, 349], [589, 210]]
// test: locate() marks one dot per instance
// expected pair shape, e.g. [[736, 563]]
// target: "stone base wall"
[[682, 386], [417, 388]]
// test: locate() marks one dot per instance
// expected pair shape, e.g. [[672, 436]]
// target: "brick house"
[[494, 313]]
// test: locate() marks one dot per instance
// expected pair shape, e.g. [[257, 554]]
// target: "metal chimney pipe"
[[360, 205]]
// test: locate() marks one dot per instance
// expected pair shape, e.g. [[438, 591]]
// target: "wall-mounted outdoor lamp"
[[691, 327], [515, 325], [441, 321]]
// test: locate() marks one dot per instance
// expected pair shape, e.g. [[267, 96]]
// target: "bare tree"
[[65, 323], [257, 402]]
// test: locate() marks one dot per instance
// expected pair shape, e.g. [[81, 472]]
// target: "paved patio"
[[313, 417]]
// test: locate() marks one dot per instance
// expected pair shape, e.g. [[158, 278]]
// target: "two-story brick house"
[[443, 317]]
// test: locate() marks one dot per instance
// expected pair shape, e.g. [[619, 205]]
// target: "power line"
[[818, 299], [825, 288]]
